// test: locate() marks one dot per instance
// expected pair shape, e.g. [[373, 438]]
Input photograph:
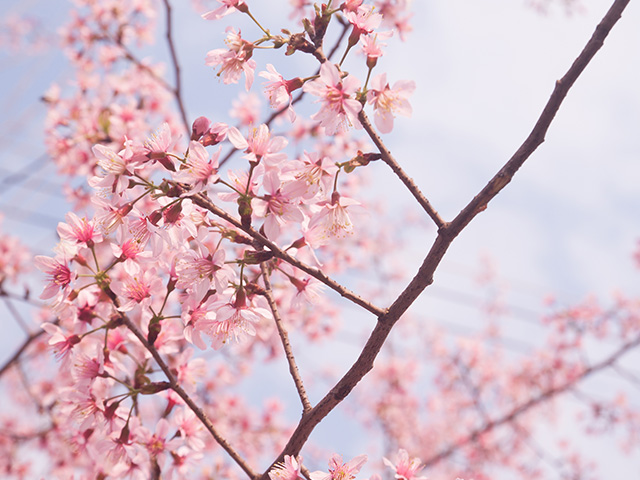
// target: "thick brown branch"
[[400, 173], [206, 203], [445, 237], [284, 337], [537, 135]]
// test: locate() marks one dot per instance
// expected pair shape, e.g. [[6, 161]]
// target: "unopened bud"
[[241, 299], [301, 242], [242, 7], [199, 128], [155, 216], [173, 213]]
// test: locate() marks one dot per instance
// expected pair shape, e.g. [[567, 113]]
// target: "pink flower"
[[395, 14], [234, 60], [157, 444], [203, 267], [287, 470], [87, 368], [228, 6], [136, 288], [372, 47], [364, 21], [279, 90], [190, 428], [332, 221], [61, 343], [351, 5], [158, 145], [198, 318], [339, 110], [198, 170], [308, 290], [236, 319], [110, 217], [338, 470], [277, 204], [315, 175], [388, 101], [404, 467], [78, 231], [116, 168], [216, 134], [259, 145], [60, 276]]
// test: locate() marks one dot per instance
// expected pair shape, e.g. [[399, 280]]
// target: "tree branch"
[[408, 181], [537, 135], [18, 353], [204, 202], [175, 386], [445, 237], [284, 336], [526, 406]]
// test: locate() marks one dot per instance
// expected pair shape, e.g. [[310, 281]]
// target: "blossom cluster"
[[197, 245]]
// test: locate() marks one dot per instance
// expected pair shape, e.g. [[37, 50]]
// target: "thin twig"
[[16, 315], [537, 135], [18, 353], [129, 55], [284, 336], [445, 237], [400, 173], [206, 203], [175, 386], [528, 405], [177, 91]]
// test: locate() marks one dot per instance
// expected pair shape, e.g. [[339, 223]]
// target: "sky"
[[566, 226]]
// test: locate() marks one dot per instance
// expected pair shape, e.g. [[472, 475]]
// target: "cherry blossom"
[[228, 6], [287, 470], [332, 221], [279, 90], [247, 109], [339, 109], [60, 276], [260, 146], [389, 101], [157, 265], [62, 344], [79, 231], [404, 467], [278, 205], [236, 319], [137, 288], [198, 170], [364, 20], [338, 470], [235, 60]]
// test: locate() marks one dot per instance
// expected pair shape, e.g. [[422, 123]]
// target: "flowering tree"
[[199, 250]]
